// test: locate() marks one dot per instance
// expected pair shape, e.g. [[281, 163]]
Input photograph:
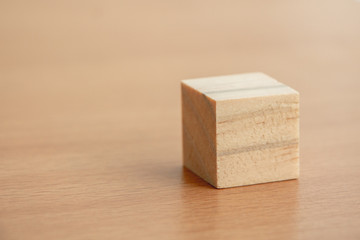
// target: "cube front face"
[[257, 140], [231, 140]]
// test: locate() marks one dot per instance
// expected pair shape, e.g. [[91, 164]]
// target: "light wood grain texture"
[[90, 123], [240, 129]]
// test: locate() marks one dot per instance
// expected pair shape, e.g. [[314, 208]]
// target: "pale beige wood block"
[[240, 129]]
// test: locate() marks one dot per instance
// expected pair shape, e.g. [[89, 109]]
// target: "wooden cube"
[[240, 129]]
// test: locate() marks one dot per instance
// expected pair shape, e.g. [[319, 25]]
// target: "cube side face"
[[199, 133], [257, 140]]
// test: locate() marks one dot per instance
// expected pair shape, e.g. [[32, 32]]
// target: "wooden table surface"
[[90, 130]]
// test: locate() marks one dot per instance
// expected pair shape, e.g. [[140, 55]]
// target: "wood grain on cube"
[[199, 133], [240, 129]]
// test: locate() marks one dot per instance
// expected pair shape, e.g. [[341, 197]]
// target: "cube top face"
[[245, 133], [239, 86]]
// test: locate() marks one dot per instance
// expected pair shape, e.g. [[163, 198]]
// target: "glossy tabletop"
[[90, 124]]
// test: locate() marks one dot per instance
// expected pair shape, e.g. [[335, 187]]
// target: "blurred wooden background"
[[90, 134]]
